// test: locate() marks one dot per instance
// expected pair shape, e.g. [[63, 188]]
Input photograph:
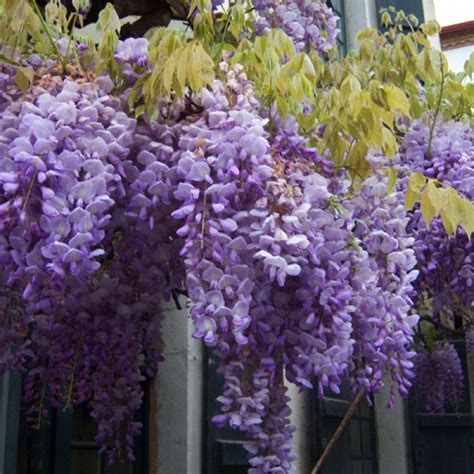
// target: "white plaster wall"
[[430, 14], [458, 56], [360, 14], [450, 12]]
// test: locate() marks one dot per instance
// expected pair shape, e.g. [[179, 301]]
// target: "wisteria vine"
[[292, 273]]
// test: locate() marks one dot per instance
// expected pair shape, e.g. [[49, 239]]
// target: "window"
[[410, 7], [338, 7], [10, 393], [223, 448], [64, 444], [355, 451], [444, 443]]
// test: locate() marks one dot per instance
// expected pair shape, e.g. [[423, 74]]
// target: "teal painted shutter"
[[355, 451], [10, 395], [223, 451], [410, 7], [339, 9], [65, 443]]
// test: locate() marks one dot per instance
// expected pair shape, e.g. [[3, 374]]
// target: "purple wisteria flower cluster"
[[80, 297], [276, 272], [309, 23], [445, 262], [439, 377], [104, 218], [132, 56], [384, 319]]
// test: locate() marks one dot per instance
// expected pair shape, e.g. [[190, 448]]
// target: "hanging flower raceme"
[[310, 24], [81, 281], [382, 320], [446, 270], [445, 262], [60, 146], [439, 378]]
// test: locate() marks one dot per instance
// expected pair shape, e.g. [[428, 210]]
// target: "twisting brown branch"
[[338, 432]]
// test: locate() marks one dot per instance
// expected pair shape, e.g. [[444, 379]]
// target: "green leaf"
[[392, 180], [415, 185], [23, 78], [140, 110], [169, 71], [417, 182], [448, 224], [350, 86], [17, 11], [282, 106], [411, 198], [468, 223], [397, 100], [431, 28], [270, 59], [430, 203], [108, 19], [454, 206], [390, 146], [183, 63]]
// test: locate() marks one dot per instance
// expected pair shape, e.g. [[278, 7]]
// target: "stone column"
[[176, 400], [391, 432]]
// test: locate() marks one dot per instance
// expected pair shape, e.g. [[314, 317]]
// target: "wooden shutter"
[[355, 450], [10, 395], [339, 9], [410, 7], [223, 448], [444, 444], [65, 445]]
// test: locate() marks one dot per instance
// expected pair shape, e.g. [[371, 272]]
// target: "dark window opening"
[[339, 10], [223, 451], [444, 443], [355, 451], [65, 443]]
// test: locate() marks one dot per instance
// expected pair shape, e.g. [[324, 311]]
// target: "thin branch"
[[437, 110], [175, 297], [437, 324], [338, 432]]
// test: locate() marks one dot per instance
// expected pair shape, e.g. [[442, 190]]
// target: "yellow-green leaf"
[[468, 223], [430, 203], [453, 205], [397, 100], [168, 72], [183, 64], [282, 105], [411, 197], [392, 180], [23, 78], [448, 224], [350, 86], [417, 182], [390, 146]]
